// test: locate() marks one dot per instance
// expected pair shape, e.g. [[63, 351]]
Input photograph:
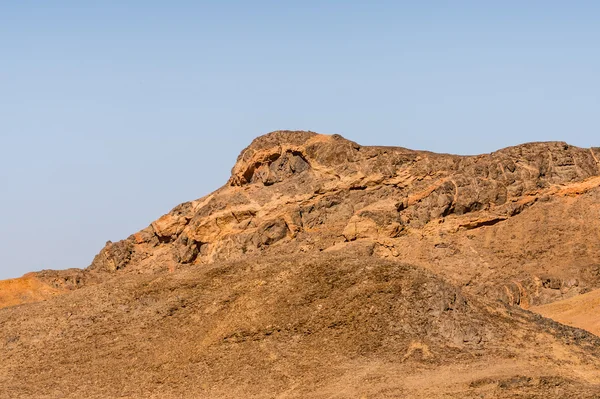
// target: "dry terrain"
[[326, 269], [581, 311]]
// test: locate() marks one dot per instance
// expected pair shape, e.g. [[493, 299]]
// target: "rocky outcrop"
[[324, 268], [463, 216], [497, 223]]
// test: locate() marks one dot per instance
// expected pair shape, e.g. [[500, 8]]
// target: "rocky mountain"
[[328, 269]]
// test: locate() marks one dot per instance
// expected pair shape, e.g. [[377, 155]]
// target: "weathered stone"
[[278, 286]]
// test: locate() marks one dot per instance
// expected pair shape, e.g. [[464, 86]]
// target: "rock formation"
[[461, 217], [327, 268]]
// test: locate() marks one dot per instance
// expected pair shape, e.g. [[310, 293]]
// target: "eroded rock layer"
[[521, 224]]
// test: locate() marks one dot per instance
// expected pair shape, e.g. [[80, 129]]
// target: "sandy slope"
[[582, 311], [335, 325]]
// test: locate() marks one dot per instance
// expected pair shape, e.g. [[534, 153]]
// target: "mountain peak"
[[274, 156]]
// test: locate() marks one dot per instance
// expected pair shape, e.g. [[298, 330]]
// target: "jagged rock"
[[504, 215], [302, 190], [305, 251], [114, 256], [169, 226]]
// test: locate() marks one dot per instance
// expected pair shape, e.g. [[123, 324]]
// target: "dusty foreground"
[[327, 269], [335, 325]]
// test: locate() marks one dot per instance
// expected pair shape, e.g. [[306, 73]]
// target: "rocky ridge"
[[520, 224], [328, 269]]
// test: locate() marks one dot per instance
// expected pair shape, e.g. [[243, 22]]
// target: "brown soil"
[[25, 289], [332, 325]]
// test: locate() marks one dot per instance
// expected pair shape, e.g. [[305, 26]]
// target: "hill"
[[340, 324], [328, 269]]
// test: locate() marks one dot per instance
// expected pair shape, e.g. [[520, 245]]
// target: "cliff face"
[[521, 224], [328, 269]]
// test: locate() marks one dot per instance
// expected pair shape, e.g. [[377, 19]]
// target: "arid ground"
[[327, 269]]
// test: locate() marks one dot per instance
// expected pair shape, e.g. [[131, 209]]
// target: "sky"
[[113, 112]]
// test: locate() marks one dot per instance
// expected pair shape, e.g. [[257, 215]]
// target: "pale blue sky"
[[113, 112]]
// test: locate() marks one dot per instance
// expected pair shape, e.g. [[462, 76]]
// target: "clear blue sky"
[[113, 112]]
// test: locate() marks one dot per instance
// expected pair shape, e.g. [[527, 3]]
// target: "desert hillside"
[[581, 311], [327, 269]]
